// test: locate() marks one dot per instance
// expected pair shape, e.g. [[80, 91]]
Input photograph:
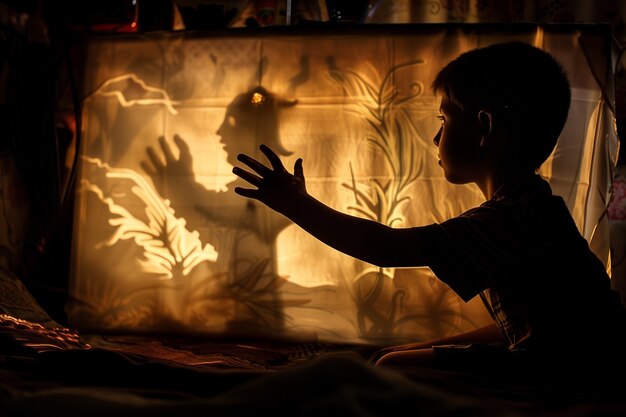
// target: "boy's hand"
[[275, 187]]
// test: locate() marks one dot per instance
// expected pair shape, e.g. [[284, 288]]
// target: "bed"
[[54, 371]]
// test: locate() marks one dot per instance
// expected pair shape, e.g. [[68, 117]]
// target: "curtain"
[[161, 241]]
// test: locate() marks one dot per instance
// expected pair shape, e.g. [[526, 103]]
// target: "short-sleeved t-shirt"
[[523, 253]]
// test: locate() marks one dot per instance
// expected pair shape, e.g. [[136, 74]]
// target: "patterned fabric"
[[617, 208], [16, 301], [37, 338], [25, 326]]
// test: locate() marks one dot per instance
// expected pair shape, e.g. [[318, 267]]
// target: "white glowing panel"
[[162, 243]]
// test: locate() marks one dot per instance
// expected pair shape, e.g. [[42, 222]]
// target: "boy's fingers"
[[298, 171], [247, 176], [255, 165], [273, 158], [247, 192]]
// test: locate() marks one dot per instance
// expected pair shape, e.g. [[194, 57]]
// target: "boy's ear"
[[486, 125]]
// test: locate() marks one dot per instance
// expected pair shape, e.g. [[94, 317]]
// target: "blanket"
[[48, 370], [137, 376]]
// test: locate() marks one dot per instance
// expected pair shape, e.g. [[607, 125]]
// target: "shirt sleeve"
[[475, 251]]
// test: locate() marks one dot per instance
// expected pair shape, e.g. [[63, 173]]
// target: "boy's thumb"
[[298, 171]]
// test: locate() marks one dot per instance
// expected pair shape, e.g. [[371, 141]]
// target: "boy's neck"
[[493, 183]]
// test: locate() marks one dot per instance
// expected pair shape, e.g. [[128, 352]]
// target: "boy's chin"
[[455, 179]]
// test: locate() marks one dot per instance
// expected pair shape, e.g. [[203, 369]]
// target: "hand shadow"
[[169, 169]]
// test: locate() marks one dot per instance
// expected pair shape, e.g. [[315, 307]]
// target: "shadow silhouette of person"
[[243, 232]]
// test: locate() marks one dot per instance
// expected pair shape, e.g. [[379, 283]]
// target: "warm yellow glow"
[[167, 246], [163, 243]]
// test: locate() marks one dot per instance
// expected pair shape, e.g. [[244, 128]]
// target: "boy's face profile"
[[459, 140]]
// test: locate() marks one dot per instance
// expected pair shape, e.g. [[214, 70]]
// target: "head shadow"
[[251, 119]]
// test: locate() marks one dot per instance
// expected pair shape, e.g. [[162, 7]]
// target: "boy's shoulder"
[[525, 188], [520, 204]]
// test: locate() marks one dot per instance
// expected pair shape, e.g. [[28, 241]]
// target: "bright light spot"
[[257, 98]]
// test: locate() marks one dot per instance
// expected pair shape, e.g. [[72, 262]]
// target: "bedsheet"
[[122, 375]]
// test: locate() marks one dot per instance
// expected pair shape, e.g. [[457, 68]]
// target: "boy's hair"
[[518, 83]]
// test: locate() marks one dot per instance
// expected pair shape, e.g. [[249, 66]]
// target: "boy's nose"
[[437, 136]]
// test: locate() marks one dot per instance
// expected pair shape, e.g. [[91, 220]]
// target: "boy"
[[502, 110]]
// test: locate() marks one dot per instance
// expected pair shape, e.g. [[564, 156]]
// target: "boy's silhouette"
[[502, 110]]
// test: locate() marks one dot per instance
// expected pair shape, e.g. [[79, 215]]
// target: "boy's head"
[[524, 89]]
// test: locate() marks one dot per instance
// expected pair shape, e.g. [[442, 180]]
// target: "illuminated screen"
[[163, 244]]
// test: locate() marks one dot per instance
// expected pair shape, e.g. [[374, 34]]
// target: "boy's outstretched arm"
[[363, 239]]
